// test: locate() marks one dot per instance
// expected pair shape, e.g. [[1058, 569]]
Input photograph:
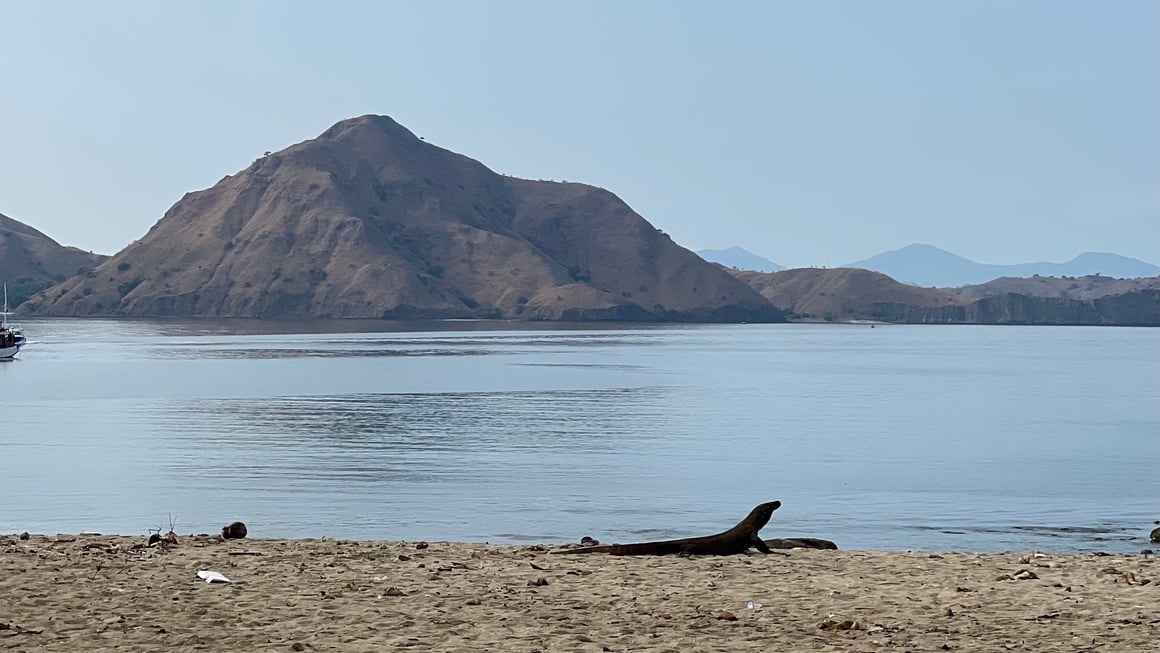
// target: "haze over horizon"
[[808, 133]]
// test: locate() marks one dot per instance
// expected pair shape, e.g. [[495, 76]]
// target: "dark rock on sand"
[[800, 543]]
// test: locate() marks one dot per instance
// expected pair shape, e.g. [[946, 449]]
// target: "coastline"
[[100, 592]]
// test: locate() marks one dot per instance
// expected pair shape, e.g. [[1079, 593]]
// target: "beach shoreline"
[[100, 593]]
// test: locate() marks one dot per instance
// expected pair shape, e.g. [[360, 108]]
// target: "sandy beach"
[[110, 593]]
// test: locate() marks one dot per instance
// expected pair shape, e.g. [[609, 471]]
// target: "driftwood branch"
[[800, 543], [736, 540]]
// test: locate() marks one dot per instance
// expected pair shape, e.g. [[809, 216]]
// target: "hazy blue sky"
[[810, 132]]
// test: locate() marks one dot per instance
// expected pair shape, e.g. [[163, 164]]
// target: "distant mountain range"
[[929, 266], [741, 259]]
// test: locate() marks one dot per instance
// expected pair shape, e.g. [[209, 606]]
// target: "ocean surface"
[[896, 437]]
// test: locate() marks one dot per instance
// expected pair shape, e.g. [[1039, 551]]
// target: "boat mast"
[[4, 313]]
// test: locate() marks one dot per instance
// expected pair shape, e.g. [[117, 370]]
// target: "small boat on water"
[[11, 336]]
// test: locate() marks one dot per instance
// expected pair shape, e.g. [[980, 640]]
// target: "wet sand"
[[106, 593]]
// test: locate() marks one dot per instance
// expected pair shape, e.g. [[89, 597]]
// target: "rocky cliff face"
[[31, 261], [369, 221], [1141, 308], [1138, 308]]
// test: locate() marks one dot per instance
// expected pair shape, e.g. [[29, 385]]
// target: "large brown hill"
[[368, 220], [31, 261]]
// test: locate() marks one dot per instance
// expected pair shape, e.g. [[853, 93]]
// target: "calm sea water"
[[896, 437]]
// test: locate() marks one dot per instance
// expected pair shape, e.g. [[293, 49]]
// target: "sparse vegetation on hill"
[[1081, 288]]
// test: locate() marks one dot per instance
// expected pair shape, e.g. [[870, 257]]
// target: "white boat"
[[11, 336]]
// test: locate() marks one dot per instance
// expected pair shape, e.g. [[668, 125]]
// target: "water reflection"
[[577, 420], [375, 345], [385, 439], [203, 352]]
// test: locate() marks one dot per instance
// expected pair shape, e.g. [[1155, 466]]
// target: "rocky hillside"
[[839, 293], [369, 221], [1083, 288], [31, 261], [845, 294]]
